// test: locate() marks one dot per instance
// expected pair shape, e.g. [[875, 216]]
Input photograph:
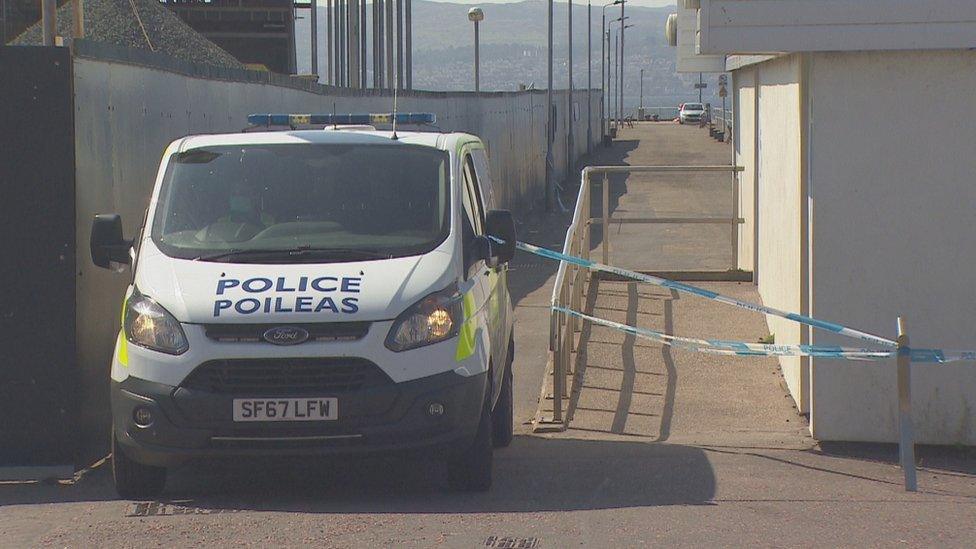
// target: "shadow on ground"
[[534, 474]]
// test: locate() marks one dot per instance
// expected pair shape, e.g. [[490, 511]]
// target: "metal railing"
[[720, 122], [572, 281]]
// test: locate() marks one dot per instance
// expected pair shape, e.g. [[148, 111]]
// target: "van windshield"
[[303, 203], [694, 107]]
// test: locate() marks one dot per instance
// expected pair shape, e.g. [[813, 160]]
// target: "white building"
[[856, 126]]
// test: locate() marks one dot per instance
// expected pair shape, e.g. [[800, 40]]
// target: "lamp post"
[[550, 191], [620, 87], [589, 77], [570, 146], [619, 66], [640, 107], [606, 79], [476, 15], [605, 68]]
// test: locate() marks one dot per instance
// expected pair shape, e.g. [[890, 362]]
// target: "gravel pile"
[[115, 22]]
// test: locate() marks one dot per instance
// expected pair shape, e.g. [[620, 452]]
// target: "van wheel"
[[134, 480], [470, 471], [503, 416]]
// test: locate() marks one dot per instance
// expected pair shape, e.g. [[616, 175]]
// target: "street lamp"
[[605, 68], [476, 15], [620, 88], [620, 74]]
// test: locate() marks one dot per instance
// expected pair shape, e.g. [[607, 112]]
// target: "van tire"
[[470, 471], [134, 480], [503, 416]]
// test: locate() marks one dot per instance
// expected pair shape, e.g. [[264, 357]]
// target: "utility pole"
[[609, 93], [355, 62], [620, 87], [550, 192], [570, 111], [476, 16], [699, 87], [408, 46], [362, 44], [314, 32], [616, 70], [329, 38], [589, 77], [390, 27], [375, 5], [399, 44], [641, 104], [342, 43]]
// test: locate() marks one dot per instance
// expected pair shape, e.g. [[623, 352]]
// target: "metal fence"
[[721, 122], [572, 281]]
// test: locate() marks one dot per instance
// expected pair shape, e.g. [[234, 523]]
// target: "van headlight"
[[147, 324], [433, 319]]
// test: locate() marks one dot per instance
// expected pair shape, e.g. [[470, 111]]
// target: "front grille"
[[286, 376], [318, 331]]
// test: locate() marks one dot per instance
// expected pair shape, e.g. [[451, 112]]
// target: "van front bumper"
[[394, 417]]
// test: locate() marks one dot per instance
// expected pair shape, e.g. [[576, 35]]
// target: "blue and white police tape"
[[724, 347], [671, 284], [741, 348]]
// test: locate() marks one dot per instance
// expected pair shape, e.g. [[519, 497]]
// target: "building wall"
[[777, 212], [126, 114], [786, 26], [893, 220], [688, 59]]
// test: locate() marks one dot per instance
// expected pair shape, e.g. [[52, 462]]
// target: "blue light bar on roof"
[[339, 119]]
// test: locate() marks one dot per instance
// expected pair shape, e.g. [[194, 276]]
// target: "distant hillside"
[[513, 49]]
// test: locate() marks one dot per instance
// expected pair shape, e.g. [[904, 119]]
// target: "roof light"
[[340, 119]]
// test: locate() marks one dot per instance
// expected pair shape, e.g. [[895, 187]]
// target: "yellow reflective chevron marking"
[[123, 346], [465, 346]]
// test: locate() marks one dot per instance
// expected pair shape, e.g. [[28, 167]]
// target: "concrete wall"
[[893, 220], [127, 112], [688, 58], [777, 209]]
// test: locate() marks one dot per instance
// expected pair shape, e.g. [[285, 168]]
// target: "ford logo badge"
[[286, 335]]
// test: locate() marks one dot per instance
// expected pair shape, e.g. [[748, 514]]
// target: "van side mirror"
[[501, 225], [107, 244]]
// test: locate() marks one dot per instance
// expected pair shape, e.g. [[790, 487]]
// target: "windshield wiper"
[[299, 251]]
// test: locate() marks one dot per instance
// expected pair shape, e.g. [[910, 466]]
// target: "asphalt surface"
[[665, 448]]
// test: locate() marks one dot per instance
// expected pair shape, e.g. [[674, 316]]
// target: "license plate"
[[286, 409]]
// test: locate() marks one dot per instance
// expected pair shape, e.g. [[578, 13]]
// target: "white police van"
[[313, 292]]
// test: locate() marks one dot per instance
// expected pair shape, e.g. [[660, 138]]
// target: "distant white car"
[[691, 112]]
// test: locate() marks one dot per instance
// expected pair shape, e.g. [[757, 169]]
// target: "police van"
[[321, 290]]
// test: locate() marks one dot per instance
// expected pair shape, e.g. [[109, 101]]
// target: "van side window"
[[483, 173], [472, 197]]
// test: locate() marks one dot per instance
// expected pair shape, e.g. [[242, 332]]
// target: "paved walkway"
[[641, 389]]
